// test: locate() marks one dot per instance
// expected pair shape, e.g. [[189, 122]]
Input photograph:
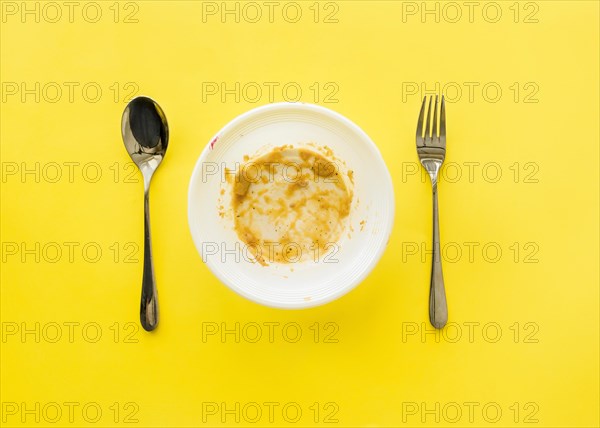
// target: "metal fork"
[[431, 148]]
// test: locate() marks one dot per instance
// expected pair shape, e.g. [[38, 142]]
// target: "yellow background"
[[373, 58]]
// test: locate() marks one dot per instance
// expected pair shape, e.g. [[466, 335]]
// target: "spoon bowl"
[[145, 133]]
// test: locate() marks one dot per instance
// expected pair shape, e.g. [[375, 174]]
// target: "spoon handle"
[[149, 304]]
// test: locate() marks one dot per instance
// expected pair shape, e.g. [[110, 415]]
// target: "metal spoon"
[[146, 136]]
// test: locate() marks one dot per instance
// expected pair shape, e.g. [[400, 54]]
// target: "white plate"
[[308, 283]]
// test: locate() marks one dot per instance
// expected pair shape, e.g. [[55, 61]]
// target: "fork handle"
[[438, 309]]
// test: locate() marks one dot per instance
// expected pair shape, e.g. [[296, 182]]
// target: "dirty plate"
[[316, 278]]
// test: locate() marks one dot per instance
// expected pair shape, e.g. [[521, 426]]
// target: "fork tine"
[[428, 126], [434, 133], [420, 122], [443, 122]]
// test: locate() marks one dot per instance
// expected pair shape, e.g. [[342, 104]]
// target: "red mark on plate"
[[212, 143]]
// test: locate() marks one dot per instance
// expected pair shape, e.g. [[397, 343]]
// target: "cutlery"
[[146, 136], [431, 148]]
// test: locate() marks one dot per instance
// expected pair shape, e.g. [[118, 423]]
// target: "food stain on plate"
[[290, 204]]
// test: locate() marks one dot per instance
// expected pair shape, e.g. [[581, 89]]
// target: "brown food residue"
[[290, 204]]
